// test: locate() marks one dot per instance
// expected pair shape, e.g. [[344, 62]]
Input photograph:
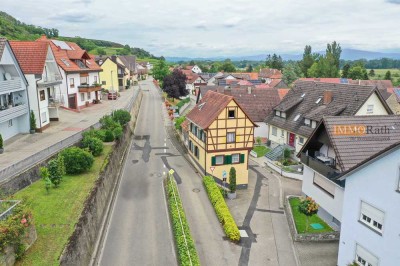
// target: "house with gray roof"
[[292, 121], [352, 170]]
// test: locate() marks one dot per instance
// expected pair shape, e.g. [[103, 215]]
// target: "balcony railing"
[[51, 78], [10, 85], [89, 88], [13, 112], [322, 168]]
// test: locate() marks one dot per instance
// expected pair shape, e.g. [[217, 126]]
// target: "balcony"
[[7, 86], [89, 88], [327, 170], [13, 112], [49, 80]]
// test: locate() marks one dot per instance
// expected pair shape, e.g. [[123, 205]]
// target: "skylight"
[[65, 62], [201, 105], [318, 100], [296, 117], [302, 96], [63, 45]]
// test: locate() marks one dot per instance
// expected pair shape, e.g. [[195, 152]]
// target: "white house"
[[293, 120], [352, 170], [80, 74], [195, 69], [14, 102], [44, 78], [193, 82]]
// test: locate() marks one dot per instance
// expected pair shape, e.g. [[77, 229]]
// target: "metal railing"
[[320, 167], [23, 165], [8, 212]]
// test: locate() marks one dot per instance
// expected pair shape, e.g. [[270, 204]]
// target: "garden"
[[54, 203]]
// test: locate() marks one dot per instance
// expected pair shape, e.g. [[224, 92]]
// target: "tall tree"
[[160, 70], [249, 68], [308, 60], [291, 72], [227, 66], [175, 84], [345, 71], [335, 50], [388, 75], [371, 73], [192, 63]]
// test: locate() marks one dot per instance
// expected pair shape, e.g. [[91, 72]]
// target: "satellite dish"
[[7, 76]]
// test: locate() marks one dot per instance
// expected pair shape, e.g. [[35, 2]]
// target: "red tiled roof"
[[188, 73], [282, 92], [31, 55], [65, 58], [189, 67], [270, 73], [263, 86], [185, 125], [274, 82], [245, 82]]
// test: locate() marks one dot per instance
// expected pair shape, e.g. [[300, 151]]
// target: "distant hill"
[[347, 54], [13, 29]]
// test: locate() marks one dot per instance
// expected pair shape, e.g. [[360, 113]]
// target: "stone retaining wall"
[[328, 236], [81, 243]]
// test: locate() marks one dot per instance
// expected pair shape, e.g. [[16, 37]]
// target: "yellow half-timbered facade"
[[220, 135]]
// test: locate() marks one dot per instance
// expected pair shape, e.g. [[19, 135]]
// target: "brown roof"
[[31, 55], [270, 73], [347, 99], [3, 42], [129, 61], [329, 80], [282, 93], [185, 125], [352, 152]]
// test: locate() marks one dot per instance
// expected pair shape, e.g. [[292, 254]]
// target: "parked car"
[[112, 95]]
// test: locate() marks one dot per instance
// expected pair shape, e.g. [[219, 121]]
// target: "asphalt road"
[[139, 232]]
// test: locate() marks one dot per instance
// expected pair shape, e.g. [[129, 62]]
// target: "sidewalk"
[[25, 146]]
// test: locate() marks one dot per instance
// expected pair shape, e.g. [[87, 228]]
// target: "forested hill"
[[13, 29]]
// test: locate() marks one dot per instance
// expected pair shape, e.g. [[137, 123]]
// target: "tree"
[[335, 50], [175, 84], [274, 61], [44, 173], [192, 63], [308, 207], [249, 68], [345, 71], [388, 75], [358, 72], [308, 60], [32, 120], [289, 73], [232, 180], [372, 73], [54, 172], [101, 51], [160, 70], [227, 66]]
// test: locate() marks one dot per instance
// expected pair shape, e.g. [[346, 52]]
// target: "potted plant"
[[232, 183], [33, 122], [1, 144]]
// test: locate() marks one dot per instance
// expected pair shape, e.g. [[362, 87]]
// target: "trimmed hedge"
[[221, 209], [77, 160], [95, 133], [94, 145], [175, 210]]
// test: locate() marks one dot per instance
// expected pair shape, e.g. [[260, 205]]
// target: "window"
[[196, 152], [190, 146], [274, 131], [231, 114], [72, 82], [84, 80], [398, 184], [318, 100], [370, 108], [302, 96], [282, 133], [219, 160], [42, 95], [10, 123], [95, 79], [236, 158], [230, 137], [65, 62], [82, 97], [372, 217], [313, 124], [364, 257], [44, 117], [88, 96], [296, 117], [283, 115], [301, 140], [307, 122], [278, 113]]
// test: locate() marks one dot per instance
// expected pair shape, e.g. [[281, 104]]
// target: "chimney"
[[248, 90], [328, 96]]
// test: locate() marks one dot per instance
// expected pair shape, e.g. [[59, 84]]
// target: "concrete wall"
[[333, 205], [378, 185], [261, 130], [81, 243]]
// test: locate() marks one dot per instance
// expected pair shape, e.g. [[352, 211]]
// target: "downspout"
[[40, 117], [205, 156]]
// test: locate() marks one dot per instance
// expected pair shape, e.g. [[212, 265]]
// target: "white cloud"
[[219, 28]]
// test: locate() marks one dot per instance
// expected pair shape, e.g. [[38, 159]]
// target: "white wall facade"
[[196, 69], [378, 185], [332, 205], [38, 106], [378, 108], [261, 130]]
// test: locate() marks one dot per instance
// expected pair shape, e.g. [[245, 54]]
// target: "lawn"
[[5, 205], [300, 220], [56, 213], [380, 73], [261, 150]]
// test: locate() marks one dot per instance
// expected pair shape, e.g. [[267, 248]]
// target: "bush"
[[32, 120], [221, 209], [54, 172], [77, 160], [176, 211], [286, 153], [109, 136], [178, 122], [232, 179], [117, 132], [121, 116], [95, 133], [1, 142], [94, 145], [107, 122]]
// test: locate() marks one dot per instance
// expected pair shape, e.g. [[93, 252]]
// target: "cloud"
[[393, 1], [201, 25], [232, 22], [74, 17]]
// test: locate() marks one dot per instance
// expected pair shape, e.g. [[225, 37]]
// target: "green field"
[[380, 73], [56, 213]]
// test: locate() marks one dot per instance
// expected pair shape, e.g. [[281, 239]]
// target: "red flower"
[[24, 221]]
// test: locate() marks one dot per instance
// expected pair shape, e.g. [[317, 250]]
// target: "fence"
[[21, 166], [8, 212]]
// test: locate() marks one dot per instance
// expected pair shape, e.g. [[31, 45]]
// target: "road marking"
[[164, 166], [165, 150], [163, 173]]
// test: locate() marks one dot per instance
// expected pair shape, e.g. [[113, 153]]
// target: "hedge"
[[175, 209], [221, 209]]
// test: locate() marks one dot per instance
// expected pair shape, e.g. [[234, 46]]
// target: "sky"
[[211, 28]]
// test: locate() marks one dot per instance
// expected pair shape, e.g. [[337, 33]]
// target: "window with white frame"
[[230, 137], [236, 158], [307, 122], [364, 257], [219, 159], [301, 140], [82, 97], [398, 183], [277, 113], [370, 108], [274, 131], [282, 133], [10, 123], [313, 124], [371, 216], [283, 114]]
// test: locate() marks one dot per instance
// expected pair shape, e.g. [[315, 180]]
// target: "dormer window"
[[307, 122], [318, 100], [283, 114], [296, 117], [313, 124], [277, 113], [302, 96]]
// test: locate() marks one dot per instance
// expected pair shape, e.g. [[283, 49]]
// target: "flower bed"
[[187, 254], [221, 209]]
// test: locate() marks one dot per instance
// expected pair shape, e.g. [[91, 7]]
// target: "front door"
[[291, 139], [72, 101]]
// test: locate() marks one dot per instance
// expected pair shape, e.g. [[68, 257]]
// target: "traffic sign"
[[171, 172], [224, 174], [212, 168]]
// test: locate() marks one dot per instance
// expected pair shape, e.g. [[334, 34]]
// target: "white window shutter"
[[372, 212]]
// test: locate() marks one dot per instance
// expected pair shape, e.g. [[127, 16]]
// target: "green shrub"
[[1, 142], [221, 209], [121, 116], [286, 153], [232, 179], [176, 211], [94, 145], [178, 122], [108, 136], [44, 173], [107, 122], [77, 160], [95, 133], [54, 172], [32, 120], [117, 132]]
